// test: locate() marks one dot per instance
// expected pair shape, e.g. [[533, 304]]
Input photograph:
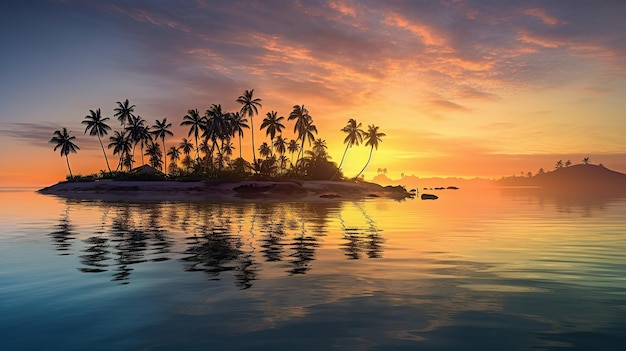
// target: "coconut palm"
[[559, 164], [96, 125], [319, 148], [304, 126], [63, 140], [154, 152], [250, 106], [293, 147], [174, 154], [160, 131], [273, 125], [280, 144], [138, 133], [121, 145], [264, 150], [237, 124], [354, 137], [124, 112], [186, 146], [372, 138], [216, 126], [586, 160], [195, 122]]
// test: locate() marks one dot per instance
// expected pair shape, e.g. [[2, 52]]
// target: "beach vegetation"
[[208, 153]]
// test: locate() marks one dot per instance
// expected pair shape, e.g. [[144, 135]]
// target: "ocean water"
[[474, 270]]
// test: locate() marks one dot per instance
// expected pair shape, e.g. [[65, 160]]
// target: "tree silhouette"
[[160, 131], [273, 124], [174, 154], [264, 150], [96, 125], [293, 147], [63, 141], [354, 137], [154, 152], [568, 163], [586, 160], [122, 146], [372, 138], [237, 125], [138, 133], [559, 164], [250, 107], [304, 126], [194, 121], [124, 112]]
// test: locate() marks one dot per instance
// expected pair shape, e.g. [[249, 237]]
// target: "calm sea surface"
[[474, 270]]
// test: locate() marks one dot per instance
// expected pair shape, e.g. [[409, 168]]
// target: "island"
[[252, 190], [581, 180]]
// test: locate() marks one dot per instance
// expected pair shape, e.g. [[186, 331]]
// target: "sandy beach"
[[253, 190]]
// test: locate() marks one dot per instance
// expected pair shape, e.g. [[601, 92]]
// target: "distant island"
[[584, 179]]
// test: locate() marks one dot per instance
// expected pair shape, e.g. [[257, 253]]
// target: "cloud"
[[39, 134]]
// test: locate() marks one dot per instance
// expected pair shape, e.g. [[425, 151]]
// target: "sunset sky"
[[461, 88]]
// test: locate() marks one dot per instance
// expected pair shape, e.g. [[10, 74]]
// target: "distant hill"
[[594, 178]]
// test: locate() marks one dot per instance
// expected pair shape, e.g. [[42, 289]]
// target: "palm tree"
[[122, 146], [319, 148], [273, 125], [96, 125], [237, 124], [216, 126], [161, 130], [293, 147], [124, 112], [194, 121], [559, 164], [138, 133], [264, 150], [354, 137], [586, 160], [154, 152], [568, 163], [250, 107], [304, 126], [186, 146], [174, 154], [64, 141], [280, 144], [372, 138]]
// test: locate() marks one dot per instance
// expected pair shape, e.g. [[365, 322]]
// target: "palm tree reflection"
[[212, 238], [63, 234], [362, 239]]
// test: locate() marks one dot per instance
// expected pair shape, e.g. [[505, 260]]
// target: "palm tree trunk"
[[68, 165], [142, 160], [368, 162], [240, 146], [164, 156], [197, 154], [340, 163], [252, 129], [105, 154]]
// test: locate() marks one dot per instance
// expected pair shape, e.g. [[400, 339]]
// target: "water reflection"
[[212, 238], [362, 239], [62, 236]]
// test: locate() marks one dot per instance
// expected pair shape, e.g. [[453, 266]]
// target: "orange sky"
[[461, 88]]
